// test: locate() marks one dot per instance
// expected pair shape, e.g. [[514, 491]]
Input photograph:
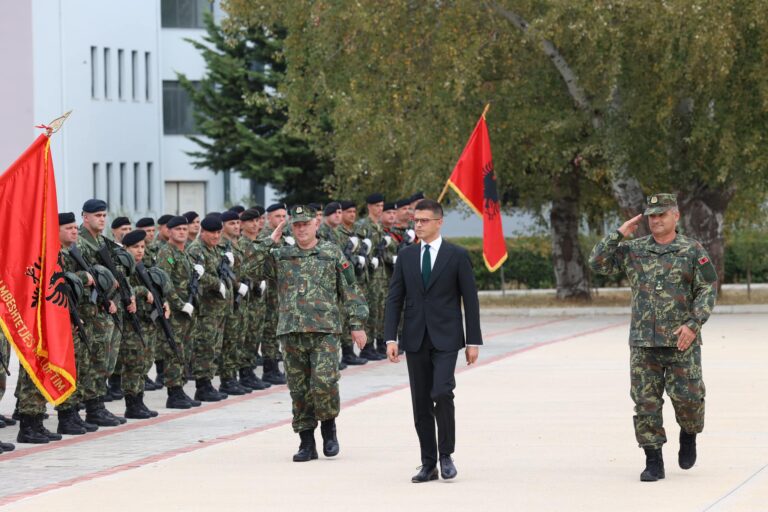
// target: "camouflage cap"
[[659, 203], [301, 213]]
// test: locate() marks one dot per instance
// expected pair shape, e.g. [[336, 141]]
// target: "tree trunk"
[[702, 216], [571, 272]]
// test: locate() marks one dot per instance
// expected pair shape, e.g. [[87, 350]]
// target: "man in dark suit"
[[432, 279]]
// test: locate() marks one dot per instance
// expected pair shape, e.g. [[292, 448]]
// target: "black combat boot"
[[369, 353], [330, 442], [342, 365], [259, 360], [97, 414], [192, 401], [68, 424], [252, 381], [272, 373], [7, 421], [89, 427], [686, 457], [381, 347], [160, 379], [115, 390], [177, 399], [207, 393], [654, 466], [134, 410], [149, 384], [52, 436], [307, 448], [144, 406], [6, 447], [28, 432], [349, 357], [232, 387]]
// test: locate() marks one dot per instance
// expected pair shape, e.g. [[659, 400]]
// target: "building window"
[[147, 76], [108, 181], [149, 186], [178, 112], [227, 187], [122, 186], [107, 85], [120, 73], [136, 180], [184, 13], [134, 75], [95, 180], [94, 72]]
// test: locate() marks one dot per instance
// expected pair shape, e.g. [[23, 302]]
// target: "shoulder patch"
[[346, 269], [707, 269]]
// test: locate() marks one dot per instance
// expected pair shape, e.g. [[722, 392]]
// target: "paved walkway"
[[544, 423]]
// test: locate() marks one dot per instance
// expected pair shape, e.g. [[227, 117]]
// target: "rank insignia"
[[654, 200]]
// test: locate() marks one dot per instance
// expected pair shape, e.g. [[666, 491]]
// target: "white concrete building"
[[113, 63]]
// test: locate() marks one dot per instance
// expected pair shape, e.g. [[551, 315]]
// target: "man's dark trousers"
[[430, 372]]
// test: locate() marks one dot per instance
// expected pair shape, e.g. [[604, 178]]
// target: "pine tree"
[[241, 120]]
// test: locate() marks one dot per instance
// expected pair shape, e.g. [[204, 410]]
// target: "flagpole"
[[55, 125], [448, 181]]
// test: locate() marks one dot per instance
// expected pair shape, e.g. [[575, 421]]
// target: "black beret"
[[212, 223], [229, 215], [345, 205], [66, 218], [191, 215], [215, 214], [177, 221], [250, 214], [418, 196], [145, 222], [374, 198], [238, 209], [389, 206], [277, 206], [316, 206], [94, 206], [331, 208], [406, 201], [163, 220], [120, 222], [134, 237], [259, 209]]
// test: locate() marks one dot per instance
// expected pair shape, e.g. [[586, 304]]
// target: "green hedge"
[[529, 265]]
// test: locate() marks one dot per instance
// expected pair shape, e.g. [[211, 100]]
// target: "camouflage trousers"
[[270, 345], [312, 368], [654, 369], [81, 366], [31, 401], [182, 326], [234, 337], [113, 346], [253, 335], [376, 294], [136, 358], [98, 327], [208, 337]]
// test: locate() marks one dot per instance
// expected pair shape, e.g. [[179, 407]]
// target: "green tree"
[[241, 119]]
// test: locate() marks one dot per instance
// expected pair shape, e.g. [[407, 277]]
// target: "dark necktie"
[[426, 265]]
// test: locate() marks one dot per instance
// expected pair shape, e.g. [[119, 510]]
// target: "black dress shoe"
[[447, 468], [425, 474]]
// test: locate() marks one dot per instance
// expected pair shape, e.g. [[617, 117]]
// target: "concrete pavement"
[[544, 422]]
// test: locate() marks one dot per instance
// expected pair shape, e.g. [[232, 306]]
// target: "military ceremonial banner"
[[33, 307], [474, 180]]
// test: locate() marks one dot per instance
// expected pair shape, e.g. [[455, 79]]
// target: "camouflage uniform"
[[314, 288], [235, 327], [378, 283], [270, 345], [253, 269], [135, 357], [213, 311], [177, 265], [672, 285], [99, 327], [361, 277]]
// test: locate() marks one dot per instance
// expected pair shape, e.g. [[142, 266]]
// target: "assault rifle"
[[158, 313], [123, 287], [74, 316], [98, 294]]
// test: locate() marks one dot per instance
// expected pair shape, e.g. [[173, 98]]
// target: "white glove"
[[388, 239], [290, 240], [188, 309], [411, 235], [360, 261], [394, 259], [242, 289], [199, 269], [375, 262], [263, 287], [222, 290], [355, 242], [368, 245], [230, 257]]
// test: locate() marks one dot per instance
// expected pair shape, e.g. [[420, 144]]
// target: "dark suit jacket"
[[436, 309]]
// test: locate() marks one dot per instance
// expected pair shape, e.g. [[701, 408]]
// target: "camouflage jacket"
[[671, 284], [314, 288], [327, 233], [211, 301], [253, 257], [374, 231], [89, 247], [176, 264]]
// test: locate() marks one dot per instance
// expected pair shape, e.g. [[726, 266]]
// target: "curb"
[[605, 311]]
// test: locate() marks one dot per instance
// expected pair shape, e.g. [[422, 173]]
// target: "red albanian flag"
[[474, 180], [33, 305]]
